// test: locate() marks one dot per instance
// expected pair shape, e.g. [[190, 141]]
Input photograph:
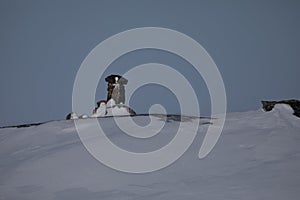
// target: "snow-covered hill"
[[256, 157]]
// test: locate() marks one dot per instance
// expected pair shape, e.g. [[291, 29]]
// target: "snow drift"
[[257, 157]]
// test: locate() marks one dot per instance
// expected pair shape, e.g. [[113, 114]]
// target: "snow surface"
[[256, 157]]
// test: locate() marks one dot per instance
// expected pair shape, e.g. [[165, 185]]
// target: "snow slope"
[[256, 157]]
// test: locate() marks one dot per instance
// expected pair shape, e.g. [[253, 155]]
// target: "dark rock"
[[131, 111], [112, 79], [116, 92], [295, 104], [68, 117], [24, 125]]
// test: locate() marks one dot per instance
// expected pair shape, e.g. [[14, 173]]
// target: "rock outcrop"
[[114, 105], [115, 88], [295, 104]]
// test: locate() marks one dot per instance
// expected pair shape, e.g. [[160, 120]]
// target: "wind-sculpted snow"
[[256, 157]]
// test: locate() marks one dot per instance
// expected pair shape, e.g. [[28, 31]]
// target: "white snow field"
[[256, 157]]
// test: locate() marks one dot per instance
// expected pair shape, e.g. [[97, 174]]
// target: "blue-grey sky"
[[255, 45]]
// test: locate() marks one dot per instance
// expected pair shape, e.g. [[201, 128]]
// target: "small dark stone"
[[68, 117], [295, 104], [131, 111]]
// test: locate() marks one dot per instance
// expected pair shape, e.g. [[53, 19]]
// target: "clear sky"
[[255, 45]]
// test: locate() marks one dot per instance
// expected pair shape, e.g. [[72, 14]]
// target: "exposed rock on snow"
[[115, 88], [295, 104], [114, 105]]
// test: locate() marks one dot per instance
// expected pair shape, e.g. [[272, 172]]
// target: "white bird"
[[100, 111], [72, 115]]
